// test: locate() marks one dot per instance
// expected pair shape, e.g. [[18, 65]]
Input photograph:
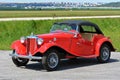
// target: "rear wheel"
[[51, 60], [105, 53], [19, 61]]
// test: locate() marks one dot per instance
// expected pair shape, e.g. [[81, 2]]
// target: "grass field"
[[11, 14], [13, 30]]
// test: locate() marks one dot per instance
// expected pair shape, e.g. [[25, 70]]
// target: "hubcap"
[[52, 60], [105, 53]]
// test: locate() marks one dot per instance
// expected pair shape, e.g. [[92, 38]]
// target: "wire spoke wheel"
[[51, 60], [104, 53]]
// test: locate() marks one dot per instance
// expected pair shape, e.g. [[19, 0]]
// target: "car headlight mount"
[[40, 41], [22, 39]]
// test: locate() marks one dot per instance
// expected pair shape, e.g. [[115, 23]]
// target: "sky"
[[28, 1]]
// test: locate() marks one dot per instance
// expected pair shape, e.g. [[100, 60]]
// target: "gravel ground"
[[81, 69]]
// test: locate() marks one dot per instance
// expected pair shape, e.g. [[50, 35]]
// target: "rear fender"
[[100, 43], [18, 47]]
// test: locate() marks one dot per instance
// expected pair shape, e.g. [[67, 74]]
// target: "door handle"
[[78, 43]]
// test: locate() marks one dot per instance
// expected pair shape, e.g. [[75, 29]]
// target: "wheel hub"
[[105, 55], [52, 60]]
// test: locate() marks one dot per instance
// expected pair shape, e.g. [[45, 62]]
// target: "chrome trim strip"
[[66, 32], [30, 57], [32, 37]]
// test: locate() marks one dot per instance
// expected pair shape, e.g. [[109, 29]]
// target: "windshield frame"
[[76, 29]]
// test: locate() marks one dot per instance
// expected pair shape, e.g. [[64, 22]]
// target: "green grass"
[[13, 30], [11, 14]]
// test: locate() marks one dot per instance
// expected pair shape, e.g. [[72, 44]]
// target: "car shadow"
[[69, 64], [34, 66], [82, 62]]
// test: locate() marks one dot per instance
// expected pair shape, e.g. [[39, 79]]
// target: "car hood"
[[56, 35]]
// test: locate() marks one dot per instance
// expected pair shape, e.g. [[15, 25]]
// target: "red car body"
[[69, 42]]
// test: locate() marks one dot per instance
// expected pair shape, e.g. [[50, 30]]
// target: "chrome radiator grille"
[[31, 45]]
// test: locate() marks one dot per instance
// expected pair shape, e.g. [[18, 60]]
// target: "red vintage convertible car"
[[68, 39]]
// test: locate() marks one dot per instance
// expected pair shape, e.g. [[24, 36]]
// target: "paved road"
[[53, 18], [82, 69]]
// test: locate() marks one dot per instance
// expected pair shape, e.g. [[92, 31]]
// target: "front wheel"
[[19, 61], [105, 53], [51, 60]]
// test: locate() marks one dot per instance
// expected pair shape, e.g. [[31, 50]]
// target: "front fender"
[[18, 47], [45, 47], [99, 44], [21, 48]]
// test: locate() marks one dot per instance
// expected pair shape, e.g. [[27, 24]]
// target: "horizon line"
[[59, 2]]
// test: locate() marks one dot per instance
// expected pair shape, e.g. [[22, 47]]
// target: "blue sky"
[[59, 1]]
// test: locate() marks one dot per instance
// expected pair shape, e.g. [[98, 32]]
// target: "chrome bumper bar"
[[30, 57]]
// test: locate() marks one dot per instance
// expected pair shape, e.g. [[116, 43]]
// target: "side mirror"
[[77, 35]]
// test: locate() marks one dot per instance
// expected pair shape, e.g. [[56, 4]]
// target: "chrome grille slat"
[[31, 45]]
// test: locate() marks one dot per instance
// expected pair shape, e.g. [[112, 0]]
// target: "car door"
[[77, 45], [88, 47], [87, 32], [83, 45]]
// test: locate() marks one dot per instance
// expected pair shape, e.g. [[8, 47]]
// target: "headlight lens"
[[39, 41], [22, 39]]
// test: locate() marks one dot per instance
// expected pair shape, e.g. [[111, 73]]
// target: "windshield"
[[63, 27]]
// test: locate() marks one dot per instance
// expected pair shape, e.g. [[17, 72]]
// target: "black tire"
[[50, 60], [19, 61], [105, 54]]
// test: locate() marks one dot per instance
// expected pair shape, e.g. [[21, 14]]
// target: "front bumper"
[[30, 57]]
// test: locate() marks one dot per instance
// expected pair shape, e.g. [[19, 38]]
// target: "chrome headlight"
[[22, 39], [40, 41]]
